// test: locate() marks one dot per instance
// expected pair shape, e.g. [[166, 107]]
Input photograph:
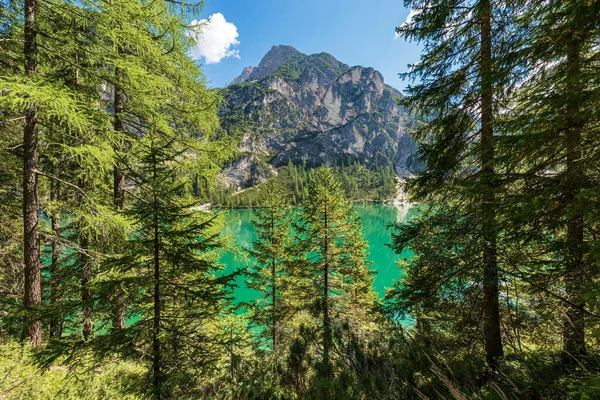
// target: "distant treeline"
[[360, 183]]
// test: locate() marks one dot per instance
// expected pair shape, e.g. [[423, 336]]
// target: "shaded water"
[[374, 220]]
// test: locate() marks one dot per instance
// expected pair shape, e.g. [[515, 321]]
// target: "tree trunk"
[[54, 266], [85, 272], [273, 290], [118, 178], [31, 239], [574, 330], [493, 339], [85, 291], [274, 306], [156, 360], [118, 318], [326, 321]]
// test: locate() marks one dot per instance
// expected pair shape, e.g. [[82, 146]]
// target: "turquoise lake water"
[[374, 220]]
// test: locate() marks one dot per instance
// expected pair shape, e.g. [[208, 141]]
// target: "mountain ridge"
[[317, 110]]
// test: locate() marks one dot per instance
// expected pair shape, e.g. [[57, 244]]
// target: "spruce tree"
[[552, 156], [171, 264], [329, 269], [273, 218], [461, 87], [170, 274]]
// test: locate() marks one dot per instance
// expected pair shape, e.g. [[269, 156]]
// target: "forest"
[[360, 184], [111, 285]]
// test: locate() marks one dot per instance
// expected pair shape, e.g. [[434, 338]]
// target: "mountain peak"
[[243, 77], [316, 110], [274, 59]]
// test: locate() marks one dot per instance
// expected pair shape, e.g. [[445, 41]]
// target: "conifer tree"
[[171, 263], [270, 252], [330, 268], [554, 128], [31, 238], [171, 276], [46, 103], [461, 88]]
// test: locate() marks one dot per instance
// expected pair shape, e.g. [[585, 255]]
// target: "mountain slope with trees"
[[317, 110]]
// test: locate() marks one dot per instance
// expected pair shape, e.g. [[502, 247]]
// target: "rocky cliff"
[[315, 109]]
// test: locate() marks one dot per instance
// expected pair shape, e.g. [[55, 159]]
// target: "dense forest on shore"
[[360, 184], [110, 279]]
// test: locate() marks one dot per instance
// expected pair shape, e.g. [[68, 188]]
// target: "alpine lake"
[[375, 219]]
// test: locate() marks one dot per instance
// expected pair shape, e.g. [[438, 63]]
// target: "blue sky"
[[357, 32]]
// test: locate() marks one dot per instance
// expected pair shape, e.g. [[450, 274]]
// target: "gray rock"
[[317, 110], [243, 77], [274, 59]]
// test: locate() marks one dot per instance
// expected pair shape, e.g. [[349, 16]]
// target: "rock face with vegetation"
[[313, 109]]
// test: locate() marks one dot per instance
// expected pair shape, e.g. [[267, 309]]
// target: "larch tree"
[[47, 104], [31, 236], [167, 265]]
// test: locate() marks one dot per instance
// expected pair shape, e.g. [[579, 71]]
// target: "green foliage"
[[167, 272], [22, 380], [510, 145], [270, 255], [517, 197], [289, 71], [332, 281], [318, 308], [360, 184]]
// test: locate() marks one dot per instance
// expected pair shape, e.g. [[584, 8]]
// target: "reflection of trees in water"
[[239, 225], [374, 220]]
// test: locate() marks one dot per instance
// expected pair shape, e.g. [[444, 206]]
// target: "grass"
[[21, 379]]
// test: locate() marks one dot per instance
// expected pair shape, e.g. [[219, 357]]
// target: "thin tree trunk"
[[118, 177], [31, 237], [273, 290], [156, 360], [54, 266], [85, 292], [118, 319], [85, 272], [326, 320], [493, 339], [574, 330]]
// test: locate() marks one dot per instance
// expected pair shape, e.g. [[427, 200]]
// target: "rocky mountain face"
[[243, 77], [313, 109]]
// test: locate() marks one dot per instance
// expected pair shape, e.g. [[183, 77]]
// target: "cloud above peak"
[[215, 39], [408, 21]]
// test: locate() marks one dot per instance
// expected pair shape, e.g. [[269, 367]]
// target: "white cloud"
[[408, 21], [215, 39]]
